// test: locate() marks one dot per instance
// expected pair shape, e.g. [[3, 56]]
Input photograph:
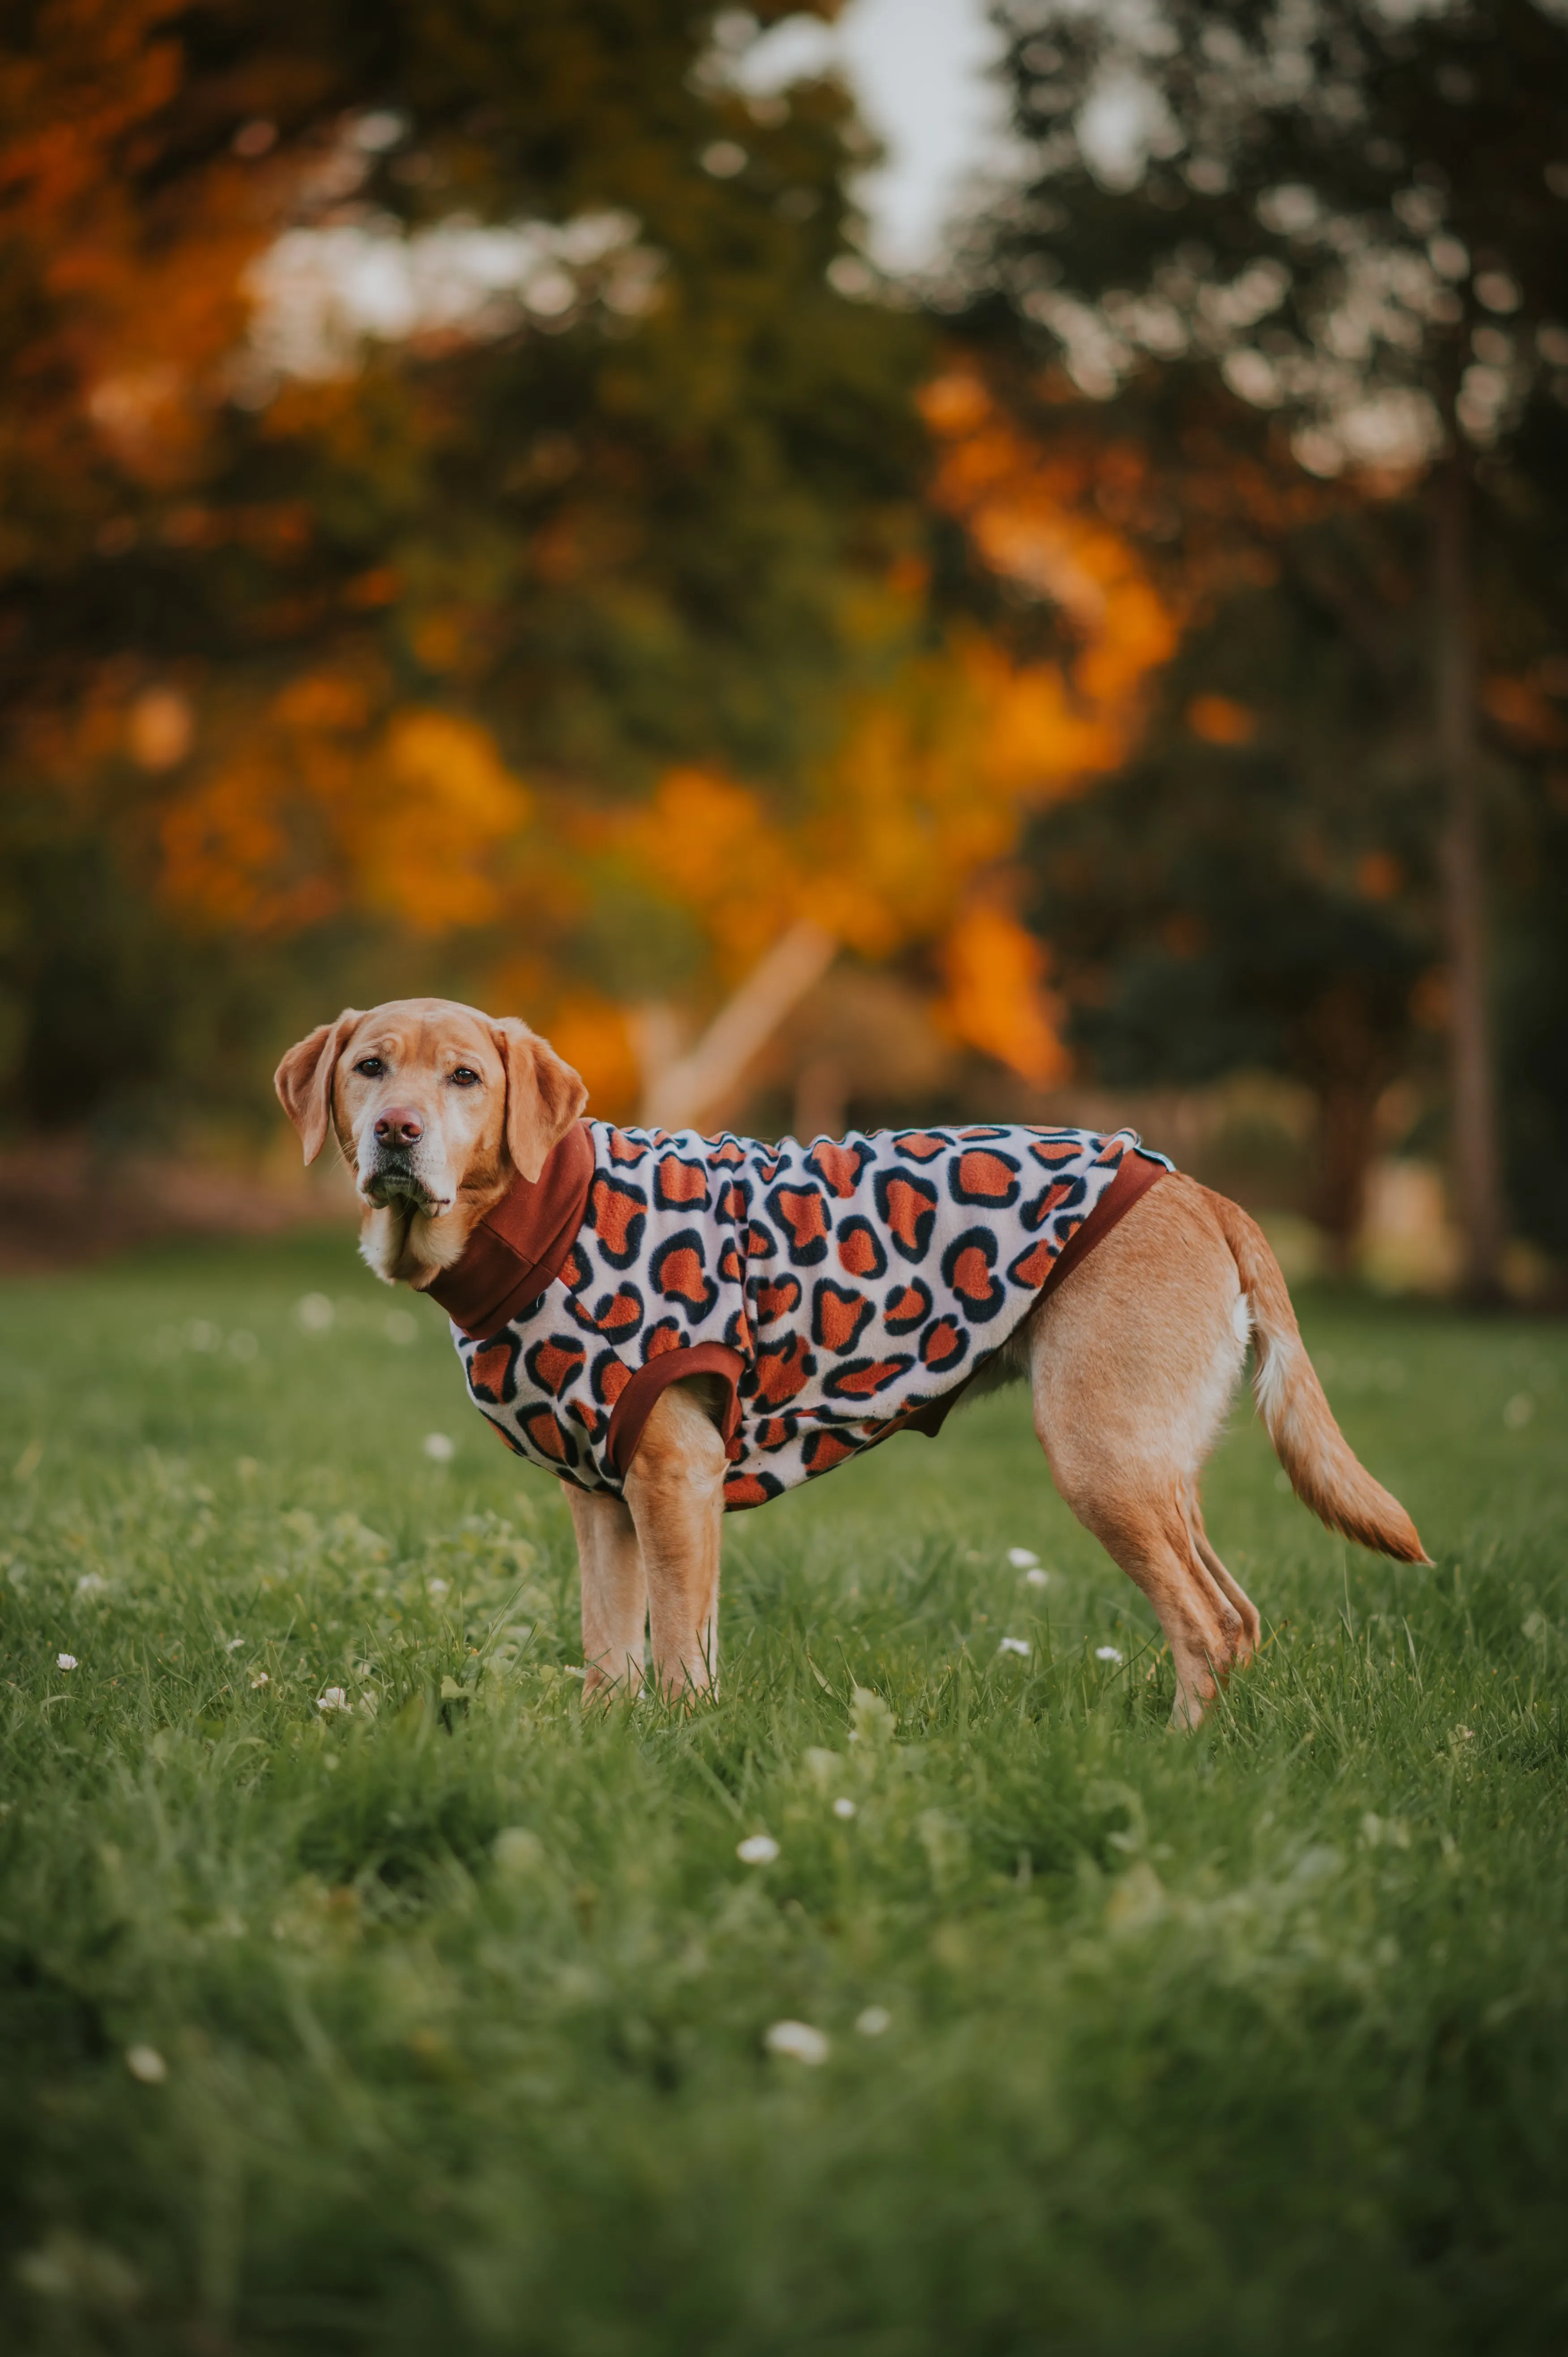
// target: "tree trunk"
[[1478, 1176], [678, 1089]]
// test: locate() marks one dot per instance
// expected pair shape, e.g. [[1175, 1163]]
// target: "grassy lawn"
[[440, 2023]]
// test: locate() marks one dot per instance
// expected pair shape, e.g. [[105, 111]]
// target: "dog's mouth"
[[394, 1185]]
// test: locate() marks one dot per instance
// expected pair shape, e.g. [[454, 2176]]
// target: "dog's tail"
[[1323, 1470]]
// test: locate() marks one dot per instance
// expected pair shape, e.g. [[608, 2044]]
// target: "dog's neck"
[[402, 1244]]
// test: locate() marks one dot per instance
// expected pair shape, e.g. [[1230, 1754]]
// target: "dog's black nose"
[[398, 1126]]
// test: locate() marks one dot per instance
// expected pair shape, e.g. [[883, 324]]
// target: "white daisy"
[[797, 2039], [756, 1849], [66, 1661], [1106, 1653]]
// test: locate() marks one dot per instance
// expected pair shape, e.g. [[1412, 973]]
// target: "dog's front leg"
[[614, 1590], [675, 1491]]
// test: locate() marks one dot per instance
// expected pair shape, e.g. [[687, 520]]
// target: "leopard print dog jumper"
[[839, 1291]]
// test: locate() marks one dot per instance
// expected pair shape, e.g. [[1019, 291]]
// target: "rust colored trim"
[[519, 1248], [1131, 1183], [638, 1400]]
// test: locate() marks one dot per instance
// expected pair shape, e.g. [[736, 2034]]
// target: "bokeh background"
[[905, 562]]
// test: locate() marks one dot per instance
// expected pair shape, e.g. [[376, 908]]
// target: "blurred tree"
[[280, 629], [1351, 220]]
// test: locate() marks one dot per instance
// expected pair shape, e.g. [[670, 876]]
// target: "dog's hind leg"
[[1229, 1587], [1133, 1364], [614, 1590]]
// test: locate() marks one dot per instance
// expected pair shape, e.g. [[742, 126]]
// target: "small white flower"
[[436, 1587], [333, 1699], [1022, 1558], [66, 1661], [1036, 1577], [1019, 1645], [797, 2039], [439, 1449], [261, 1679], [1106, 1653], [874, 2021], [145, 2063], [315, 1313], [843, 1807], [756, 1849], [92, 1583], [234, 1645]]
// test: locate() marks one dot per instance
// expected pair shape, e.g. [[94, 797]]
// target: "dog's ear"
[[304, 1080], [544, 1095]]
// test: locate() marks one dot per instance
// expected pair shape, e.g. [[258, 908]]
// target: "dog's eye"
[[465, 1078], [371, 1067]]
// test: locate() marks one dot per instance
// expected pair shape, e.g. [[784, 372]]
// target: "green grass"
[[1252, 2041]]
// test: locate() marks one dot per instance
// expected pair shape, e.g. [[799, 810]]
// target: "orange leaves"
[[424, 836], [1037, 516], [319, 809], [996, 999]]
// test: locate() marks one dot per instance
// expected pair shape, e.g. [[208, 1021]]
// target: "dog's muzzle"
[[392, 1182]]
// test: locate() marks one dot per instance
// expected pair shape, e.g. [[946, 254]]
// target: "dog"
[[679, 1326]]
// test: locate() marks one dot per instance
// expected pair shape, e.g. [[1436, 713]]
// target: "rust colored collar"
[[520, 1247]]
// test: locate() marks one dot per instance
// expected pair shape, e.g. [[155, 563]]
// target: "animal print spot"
[[679, 1272], [620, 1312], [553, 1364], [776, 1297], [920, 1145], [803, 1212], [838, 1317], [775, 1432], [908, 1207], [743, 1490], [967, 1264], [780, 1373], [980, 1178], [909, 1307], [728, 1151], [824, 1450], [668, 1335], [1051, 1199], [618, 1214], [1033, 1267], [860, 1248], [944, 1345], [609, 1376], [679, 1183], [738, 1335], [839, 1165], [761, 1244], [546, 1436], [1056, 1150], [626, 1146], [492, 1370], [863, 1378]]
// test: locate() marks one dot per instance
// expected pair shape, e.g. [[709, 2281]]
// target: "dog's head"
[[437, 1108]]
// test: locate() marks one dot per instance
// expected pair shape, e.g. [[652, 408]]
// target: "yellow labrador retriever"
[[677, 1325]]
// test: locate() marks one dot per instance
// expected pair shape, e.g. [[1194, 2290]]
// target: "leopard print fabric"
[[859, 1279]]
